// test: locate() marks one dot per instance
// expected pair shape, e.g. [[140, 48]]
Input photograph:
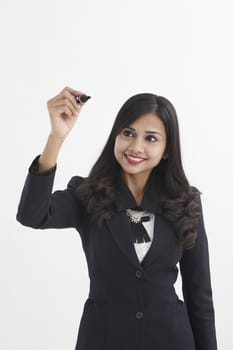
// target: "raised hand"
[[63, 111]]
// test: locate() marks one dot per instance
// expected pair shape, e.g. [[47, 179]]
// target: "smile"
[[134, 160]]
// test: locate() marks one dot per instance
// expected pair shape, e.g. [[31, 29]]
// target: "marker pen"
[[82, 98]]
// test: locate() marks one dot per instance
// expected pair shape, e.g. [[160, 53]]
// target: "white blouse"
[[142, 248]]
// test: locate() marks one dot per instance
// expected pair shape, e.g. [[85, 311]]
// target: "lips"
[[134, 160]]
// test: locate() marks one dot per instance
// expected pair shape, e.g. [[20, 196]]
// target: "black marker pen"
[[82, 98]]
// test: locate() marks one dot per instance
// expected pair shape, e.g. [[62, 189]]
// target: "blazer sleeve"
[[40, 208], [197, 290]]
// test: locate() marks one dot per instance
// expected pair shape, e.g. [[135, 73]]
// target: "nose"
[[136, 146]]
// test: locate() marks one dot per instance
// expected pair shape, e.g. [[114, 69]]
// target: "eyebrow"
[[147, 132]]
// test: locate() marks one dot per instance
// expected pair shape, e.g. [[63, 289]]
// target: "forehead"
[[147, 122]]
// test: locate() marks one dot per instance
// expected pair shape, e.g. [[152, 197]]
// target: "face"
[[140, 146]]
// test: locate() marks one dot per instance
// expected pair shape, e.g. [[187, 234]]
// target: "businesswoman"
[[138, 218]]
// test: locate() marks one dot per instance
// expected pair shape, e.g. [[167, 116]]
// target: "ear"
[[165, 155]]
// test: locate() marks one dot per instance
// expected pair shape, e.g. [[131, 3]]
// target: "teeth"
[[134, 158]]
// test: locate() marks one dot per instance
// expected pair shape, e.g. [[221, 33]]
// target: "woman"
[[137, 217]]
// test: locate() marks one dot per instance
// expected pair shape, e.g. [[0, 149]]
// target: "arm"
[[40, 208], [197, 290], [63, 111]]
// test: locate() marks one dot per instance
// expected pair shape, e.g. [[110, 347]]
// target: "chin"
[[136, 171]]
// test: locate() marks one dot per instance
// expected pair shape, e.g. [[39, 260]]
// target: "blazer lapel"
[[156, 244], [119, 227]]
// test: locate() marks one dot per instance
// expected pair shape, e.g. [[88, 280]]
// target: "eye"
[[127, 133], [151, 138]]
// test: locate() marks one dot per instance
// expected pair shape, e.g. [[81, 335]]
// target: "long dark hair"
[[181, 202]]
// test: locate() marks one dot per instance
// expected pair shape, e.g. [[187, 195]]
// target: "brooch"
[[136, 216]]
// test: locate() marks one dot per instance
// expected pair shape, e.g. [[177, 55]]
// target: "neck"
[[136, 184]]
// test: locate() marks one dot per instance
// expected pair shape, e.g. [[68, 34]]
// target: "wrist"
[[48, 157], [55, 138]]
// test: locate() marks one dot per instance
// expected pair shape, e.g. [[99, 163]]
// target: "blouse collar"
[[151, 197]]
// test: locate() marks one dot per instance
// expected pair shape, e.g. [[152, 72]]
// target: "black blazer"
[[131, 305]]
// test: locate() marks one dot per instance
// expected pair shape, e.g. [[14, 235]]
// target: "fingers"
[[70, 105], [72, 91], [65, 111], [65, 102]]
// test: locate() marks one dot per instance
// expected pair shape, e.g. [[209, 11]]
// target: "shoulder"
[[75, 181]]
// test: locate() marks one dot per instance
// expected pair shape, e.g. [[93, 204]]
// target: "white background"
[[180, 49]]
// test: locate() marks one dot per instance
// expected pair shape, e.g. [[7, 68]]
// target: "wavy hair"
[[180, 203]]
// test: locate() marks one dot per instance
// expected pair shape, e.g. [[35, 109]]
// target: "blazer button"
[[139, 273], [139, 314]]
